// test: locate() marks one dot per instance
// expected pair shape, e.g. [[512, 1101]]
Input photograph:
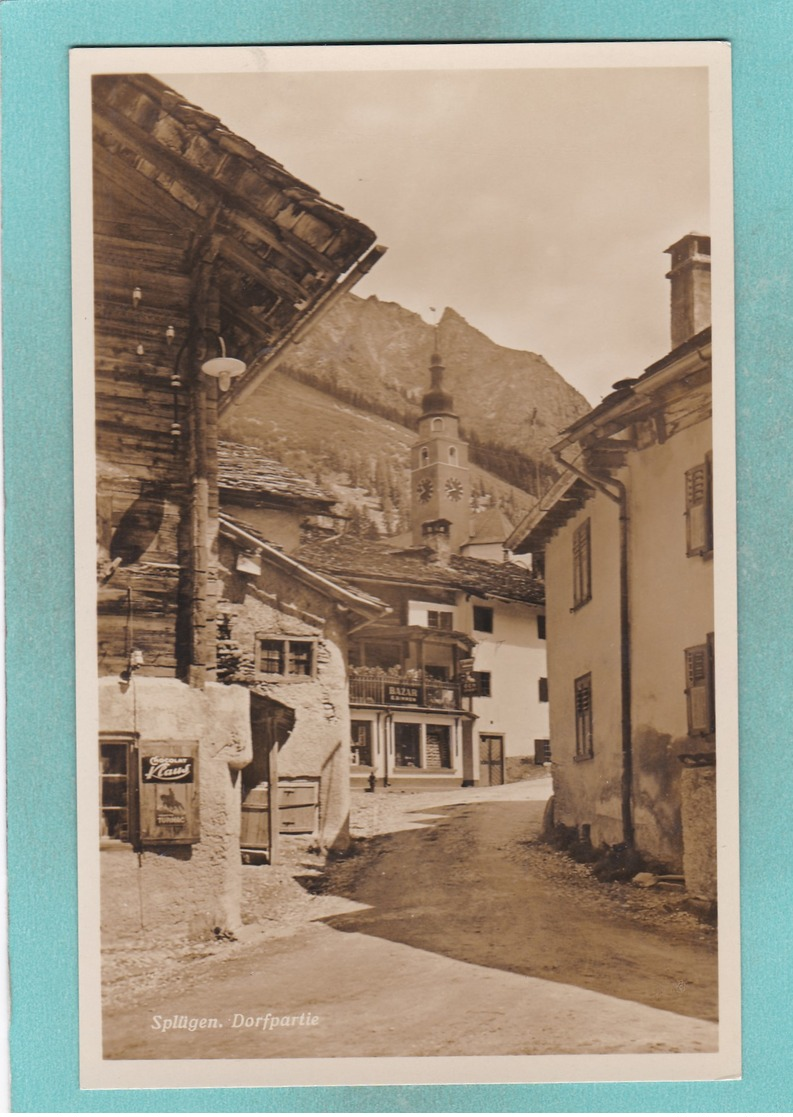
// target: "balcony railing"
[[383, 689]]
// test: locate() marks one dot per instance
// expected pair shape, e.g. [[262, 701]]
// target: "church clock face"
[[454, 489], [424, 489]]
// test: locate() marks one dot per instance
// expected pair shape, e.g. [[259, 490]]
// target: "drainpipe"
[[620, 498]]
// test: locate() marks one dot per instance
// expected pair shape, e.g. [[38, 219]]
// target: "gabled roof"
[[248, 477], [491, 526], [280, 249], [350, 597], [357, 559]]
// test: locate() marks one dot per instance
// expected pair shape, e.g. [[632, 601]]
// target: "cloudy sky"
[[535, 202]]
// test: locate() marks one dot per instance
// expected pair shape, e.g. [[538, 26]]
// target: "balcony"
[[371, 686]]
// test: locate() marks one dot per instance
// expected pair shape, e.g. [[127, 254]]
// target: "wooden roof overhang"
[[670, 393], [345, 596], [419, 633], [280, 253]]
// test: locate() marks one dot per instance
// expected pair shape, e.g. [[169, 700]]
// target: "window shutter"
[[698, 509], [699, 689], [582, 564]]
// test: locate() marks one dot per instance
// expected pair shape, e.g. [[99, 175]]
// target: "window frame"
[[445, 619], [480, 610], [484, 683], [368, 727], [582, 563], [286, 656], [584, 721]]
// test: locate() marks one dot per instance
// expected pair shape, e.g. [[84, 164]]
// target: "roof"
[[246, 475], [686, 371], [491, 526], [359, 559], [280, 250], [349, 596]]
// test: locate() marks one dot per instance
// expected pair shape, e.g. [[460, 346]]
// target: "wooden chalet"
[[201, 243]]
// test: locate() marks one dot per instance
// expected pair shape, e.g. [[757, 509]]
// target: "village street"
[[446, 932]]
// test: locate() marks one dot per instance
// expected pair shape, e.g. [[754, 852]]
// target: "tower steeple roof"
[[437, 401]]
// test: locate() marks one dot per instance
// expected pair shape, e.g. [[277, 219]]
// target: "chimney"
[[690, 277], [435, 534]]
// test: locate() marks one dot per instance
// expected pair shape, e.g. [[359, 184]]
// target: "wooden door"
[[491, 759]]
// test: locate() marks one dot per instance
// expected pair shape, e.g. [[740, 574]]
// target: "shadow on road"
[[461, 887]]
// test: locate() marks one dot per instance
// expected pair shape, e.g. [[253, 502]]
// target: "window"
[[583, 717], [438, 753], [699, 509], [541, 626], [453, 455], [700, 695], [542, 751], [425, 455], [407, 744], [482, 680], [543, 690], [116, 783], [582, 565], [290, 658], [361, 743], [422, 746], [438, 618], [483, 618]]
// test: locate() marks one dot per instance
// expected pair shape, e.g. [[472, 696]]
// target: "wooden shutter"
[[699, 689], [582, 566], [699, 514], [583, 716]]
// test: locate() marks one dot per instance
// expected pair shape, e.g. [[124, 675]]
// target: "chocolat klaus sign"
[[169, 793]]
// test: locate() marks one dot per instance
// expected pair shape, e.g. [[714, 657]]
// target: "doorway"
[[491, 759]]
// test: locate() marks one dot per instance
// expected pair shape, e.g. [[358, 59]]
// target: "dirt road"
[[447, 939], [464, 887]]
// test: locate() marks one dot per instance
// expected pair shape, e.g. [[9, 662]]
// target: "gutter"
[[298, 332], [620, 498]]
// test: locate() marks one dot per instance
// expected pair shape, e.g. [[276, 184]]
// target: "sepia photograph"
[[404, 445]]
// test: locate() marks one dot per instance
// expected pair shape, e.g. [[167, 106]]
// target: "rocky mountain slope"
[[343, 408]]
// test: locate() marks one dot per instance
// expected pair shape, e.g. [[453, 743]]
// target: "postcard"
[[405, 520]]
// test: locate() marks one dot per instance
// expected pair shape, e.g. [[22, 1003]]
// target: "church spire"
[[441, 486]]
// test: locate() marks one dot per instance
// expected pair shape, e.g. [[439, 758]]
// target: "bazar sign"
[[402, 694], [168, 769]]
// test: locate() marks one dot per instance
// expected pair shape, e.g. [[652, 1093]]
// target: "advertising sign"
[[402, 694], [168, 785]]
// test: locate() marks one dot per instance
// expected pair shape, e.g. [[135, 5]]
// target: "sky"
[[535, 202]]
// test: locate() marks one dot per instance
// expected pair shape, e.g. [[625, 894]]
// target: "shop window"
[[699, 509], [439, 618], [438, 752], [407, 745], [361, 743], [115, 786], [543, 690], [287, 657], [582, 564], [700, 694], [583, 717], [482, 681], [483, 618]]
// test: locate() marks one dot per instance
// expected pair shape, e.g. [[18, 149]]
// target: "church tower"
[[440, 481]]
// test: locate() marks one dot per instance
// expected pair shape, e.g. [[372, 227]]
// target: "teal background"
[[36, 37]]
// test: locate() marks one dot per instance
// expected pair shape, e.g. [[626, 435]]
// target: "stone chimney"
[[436, 534], [690, 277]]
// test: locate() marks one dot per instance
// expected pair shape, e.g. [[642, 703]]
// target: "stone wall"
[[192, 889], [698, 809]]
